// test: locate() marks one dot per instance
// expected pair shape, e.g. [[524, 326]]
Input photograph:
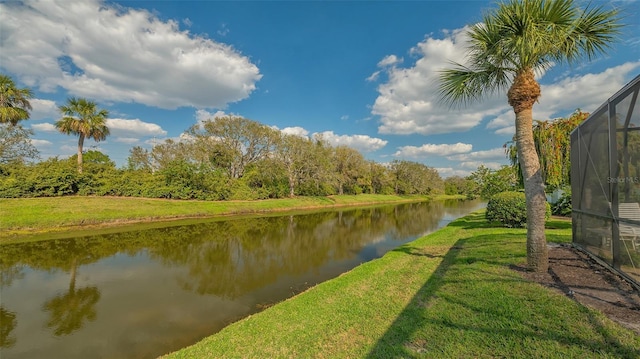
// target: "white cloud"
[[43, 109], [507, 131], [586, 92], [204, 115], [373, 77], [495, 154], [389, 60], [504, 123], [122, 127], [39, 143], [45, 127], [68, 150], [409, 102], [183, 137], [449, 171], [469, 162], [362, 143], [386, 62], [113, 53], [431, 149], [297, 131], [473, 165], [128, 140]]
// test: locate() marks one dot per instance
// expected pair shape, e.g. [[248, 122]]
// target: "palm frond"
[[592, 33], [463, 85], [83, 118], [524, 35], [14, 102]]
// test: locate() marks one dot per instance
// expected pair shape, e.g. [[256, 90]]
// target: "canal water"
[[141, 294]]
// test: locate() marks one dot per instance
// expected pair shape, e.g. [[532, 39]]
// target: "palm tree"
[[514, 42], [14, 102], [84, 119]]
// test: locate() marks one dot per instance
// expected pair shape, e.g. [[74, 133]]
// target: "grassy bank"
[[28, 216], [450, 294]]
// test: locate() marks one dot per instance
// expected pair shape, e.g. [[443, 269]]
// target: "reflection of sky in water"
[[145, 310]]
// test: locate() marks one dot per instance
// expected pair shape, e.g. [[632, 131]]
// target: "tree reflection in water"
[[68, 311], [8, 323], [232, 257]]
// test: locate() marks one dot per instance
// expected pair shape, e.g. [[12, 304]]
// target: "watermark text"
[[623, 179]]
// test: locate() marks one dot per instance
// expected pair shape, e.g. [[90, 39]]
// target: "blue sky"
[[362, 74]]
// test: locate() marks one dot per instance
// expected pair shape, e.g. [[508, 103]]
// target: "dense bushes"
[[45, 179], [184, 179], [563, 206], [510, 209]]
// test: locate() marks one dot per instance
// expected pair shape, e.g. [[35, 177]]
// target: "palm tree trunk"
[[524, 92], [80, 144], [537, 254]]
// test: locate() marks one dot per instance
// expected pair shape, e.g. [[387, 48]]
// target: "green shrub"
[[53, 177], [563, 206], [11, 187], [510, 209]]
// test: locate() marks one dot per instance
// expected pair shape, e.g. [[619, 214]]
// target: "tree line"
[[224, 158]]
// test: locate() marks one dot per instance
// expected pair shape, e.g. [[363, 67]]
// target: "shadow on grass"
[[396, 339], [417, 252], [406, 336]]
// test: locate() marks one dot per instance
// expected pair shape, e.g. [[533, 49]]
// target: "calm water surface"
[[140, 294]]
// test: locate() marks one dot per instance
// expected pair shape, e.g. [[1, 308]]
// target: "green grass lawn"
[[450, 294], [28, 216]]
